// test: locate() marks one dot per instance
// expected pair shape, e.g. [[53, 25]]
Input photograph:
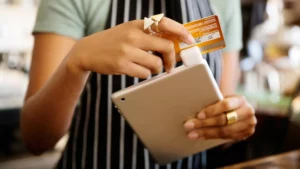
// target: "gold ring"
[[231, 117]]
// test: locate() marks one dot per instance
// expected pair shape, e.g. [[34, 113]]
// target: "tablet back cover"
[[157, 109]]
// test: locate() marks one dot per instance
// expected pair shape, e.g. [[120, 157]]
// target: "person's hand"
[[211, 122], [124, 49]]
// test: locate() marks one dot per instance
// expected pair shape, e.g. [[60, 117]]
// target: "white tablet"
[[157, 109]]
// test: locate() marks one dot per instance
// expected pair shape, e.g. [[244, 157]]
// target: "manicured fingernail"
[[201, 116], [191, 39], [193, 135], [189, 125]]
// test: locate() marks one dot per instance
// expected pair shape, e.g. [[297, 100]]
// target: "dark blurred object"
[[270, 135], [292, 141], [253, 14], [10, 142]]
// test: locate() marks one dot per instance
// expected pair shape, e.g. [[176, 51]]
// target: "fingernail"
[[193, 135], [201, 116], [171, 70], [191, 39], [189, 125]]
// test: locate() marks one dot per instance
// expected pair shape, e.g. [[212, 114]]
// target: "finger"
[[164, 46], [172, 27], [134, 70], [226, 105], [192, 124], [225, 132], [147, 60], [243, 113], [219, 120], [243, 134]]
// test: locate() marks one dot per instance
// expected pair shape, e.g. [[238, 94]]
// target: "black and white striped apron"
[[99, 137]]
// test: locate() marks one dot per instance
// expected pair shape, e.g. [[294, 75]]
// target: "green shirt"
[[87, 17]]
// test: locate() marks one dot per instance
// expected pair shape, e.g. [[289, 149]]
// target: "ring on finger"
[[153, 20], [231, 117], [156, 26], [151, 31]]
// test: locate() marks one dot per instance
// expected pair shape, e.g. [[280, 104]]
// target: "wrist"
[[74, 65]]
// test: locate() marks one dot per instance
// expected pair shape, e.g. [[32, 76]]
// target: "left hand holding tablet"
[[231, 118]]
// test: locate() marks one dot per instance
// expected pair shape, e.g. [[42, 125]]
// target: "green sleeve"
[[63, 17], [233, 27], [72, 18], [96, 15], [230, 15]]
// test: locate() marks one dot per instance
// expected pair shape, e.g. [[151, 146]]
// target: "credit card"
[[207, 33]]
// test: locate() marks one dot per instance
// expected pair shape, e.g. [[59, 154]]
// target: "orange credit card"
[[207, 33]]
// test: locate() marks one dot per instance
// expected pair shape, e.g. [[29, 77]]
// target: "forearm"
[[230, 73], [47, 115]]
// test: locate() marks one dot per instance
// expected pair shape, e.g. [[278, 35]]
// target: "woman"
[[71, 43]]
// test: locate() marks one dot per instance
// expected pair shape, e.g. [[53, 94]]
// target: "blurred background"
[[17, 19], [270, 63]]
